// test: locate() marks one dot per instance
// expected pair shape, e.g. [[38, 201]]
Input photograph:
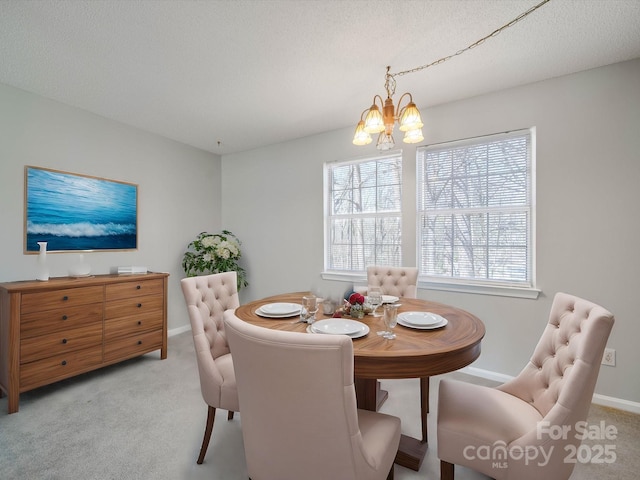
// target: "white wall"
[[178, 186], [588, 169]]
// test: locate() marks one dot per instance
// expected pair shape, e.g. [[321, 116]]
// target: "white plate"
[[389, 299], [337, 326], [426, 327], [279, 310], [361, 333], [421, 319]]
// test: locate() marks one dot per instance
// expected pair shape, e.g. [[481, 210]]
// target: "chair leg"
[[230, 415], [424, 405], [211, 416], [446, 470], [390, 476]]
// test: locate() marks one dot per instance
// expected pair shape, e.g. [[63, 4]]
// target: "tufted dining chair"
[[396, 281], [518, 422], [207, 297], [299, 414]]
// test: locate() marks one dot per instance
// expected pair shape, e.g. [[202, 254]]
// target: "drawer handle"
[[138, 287], [139, 305], [65, 298], [64, 340], [64, 317], [139, 322], [64, 362], [139, 342]]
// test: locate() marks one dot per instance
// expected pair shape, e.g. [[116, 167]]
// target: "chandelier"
[[381, 117], [383, 122]]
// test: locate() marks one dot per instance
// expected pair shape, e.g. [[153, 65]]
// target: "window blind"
[[475, 209], [363, 220]]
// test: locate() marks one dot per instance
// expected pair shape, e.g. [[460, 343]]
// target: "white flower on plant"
[[207, 257], [232, 247], [227, 249], [209, 241]]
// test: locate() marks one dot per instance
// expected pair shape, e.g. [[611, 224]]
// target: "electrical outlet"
[[609, 357]]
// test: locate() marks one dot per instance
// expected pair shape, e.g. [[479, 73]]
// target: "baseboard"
[[486, 374], [598, 399], [619, 403], [179, 330]]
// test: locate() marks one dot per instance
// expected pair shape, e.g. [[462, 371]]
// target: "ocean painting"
[[74, 212]]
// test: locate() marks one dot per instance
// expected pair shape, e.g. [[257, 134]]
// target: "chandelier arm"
[[378, 97], [401, 109], [473, 45]]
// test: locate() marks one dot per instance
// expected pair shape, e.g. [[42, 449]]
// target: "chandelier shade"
[[361, 137], [373, 122], [410, 118], [413, 136]]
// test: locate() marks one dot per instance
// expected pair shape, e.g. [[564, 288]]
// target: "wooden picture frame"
[[78, 213]]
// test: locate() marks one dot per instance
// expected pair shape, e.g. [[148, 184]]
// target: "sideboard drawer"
[[132, 346], [134, 306], [131, 325], [68, 297], [42, 323], [134, 289], [47, 370], [56, 343]]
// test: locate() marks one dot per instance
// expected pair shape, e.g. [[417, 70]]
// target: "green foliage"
[[214, 253]]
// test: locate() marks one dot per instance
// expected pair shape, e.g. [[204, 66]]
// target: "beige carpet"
[[144, 419]]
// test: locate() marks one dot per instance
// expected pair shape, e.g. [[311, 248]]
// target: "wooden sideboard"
[[67, 326]]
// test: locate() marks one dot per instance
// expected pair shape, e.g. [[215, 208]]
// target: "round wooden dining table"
[[414, 353]]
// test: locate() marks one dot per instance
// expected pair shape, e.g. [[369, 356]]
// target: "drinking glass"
[[390, 318], [328, 307], [374, 297], [309, 308]]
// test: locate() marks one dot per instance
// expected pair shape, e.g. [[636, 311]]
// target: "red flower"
[[356, 298]]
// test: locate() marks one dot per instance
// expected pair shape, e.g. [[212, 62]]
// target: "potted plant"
[[214, 253]]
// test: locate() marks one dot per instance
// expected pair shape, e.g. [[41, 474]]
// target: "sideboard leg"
[[13, 401]]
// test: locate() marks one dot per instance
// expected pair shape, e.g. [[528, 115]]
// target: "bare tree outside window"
[[364, 213], [475, 208]]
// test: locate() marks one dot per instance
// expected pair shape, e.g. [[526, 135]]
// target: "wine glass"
[[374, 297], [390, 319], [309, 308]]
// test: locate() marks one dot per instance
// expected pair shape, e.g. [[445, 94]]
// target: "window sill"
[[499, 290], [458, 287], [345, 277]]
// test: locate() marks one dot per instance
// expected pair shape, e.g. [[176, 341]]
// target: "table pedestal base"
[[411, 451]]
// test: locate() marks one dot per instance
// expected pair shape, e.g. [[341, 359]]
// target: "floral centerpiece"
[[355, 307], [214, 253]]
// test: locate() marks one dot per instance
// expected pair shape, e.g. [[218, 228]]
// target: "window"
[[363, 213], [475, 210]]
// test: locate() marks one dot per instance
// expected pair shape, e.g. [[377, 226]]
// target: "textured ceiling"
[[257, 72]]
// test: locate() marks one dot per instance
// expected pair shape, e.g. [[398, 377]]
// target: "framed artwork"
[[75, 213]]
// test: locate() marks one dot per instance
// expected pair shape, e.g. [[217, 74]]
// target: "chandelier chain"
[[473, 45]]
